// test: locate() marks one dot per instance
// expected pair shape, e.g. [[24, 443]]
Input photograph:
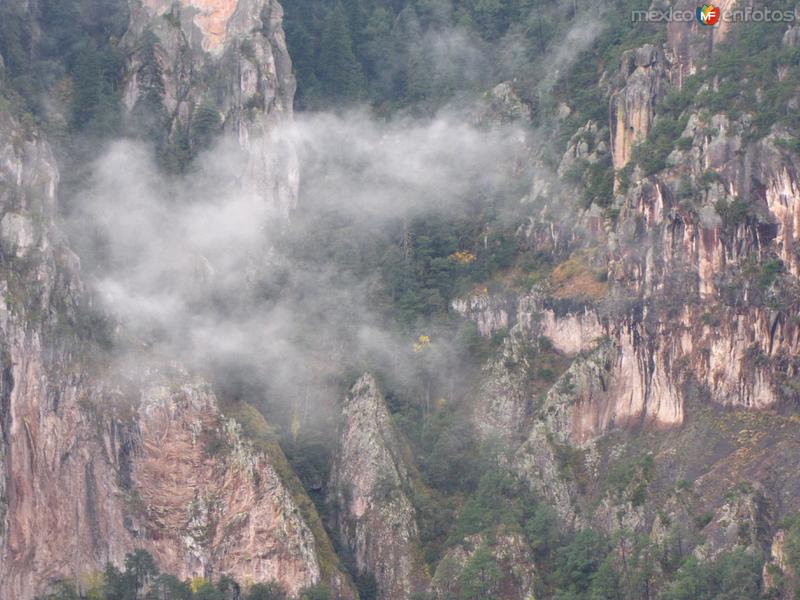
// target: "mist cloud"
[[195, 267]]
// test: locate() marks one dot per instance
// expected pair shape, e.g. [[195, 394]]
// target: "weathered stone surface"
[[502, 105], [588, 145], [506, 405], [632, 109], [491, 313], [690, 44], [96, 461], [369, 492], [205, 501], [240, 48], [512, 556]]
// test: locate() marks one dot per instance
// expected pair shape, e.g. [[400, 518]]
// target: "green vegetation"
[[479, 577], [388, 54], [628, 479], [735, 212], [141, 580], [74, 50], [755, 74], [770, 270], [736, 576], [752, 73], [652, 154], [402, 54], [340, 76]]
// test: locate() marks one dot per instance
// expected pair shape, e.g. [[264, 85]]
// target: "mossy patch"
[[576, 278]]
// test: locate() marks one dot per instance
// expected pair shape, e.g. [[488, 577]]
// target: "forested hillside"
[[429, 299]]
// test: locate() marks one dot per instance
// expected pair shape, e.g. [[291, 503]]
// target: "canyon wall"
[[101, 452], [197, 68]]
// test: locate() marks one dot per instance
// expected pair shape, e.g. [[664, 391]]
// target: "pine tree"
[[339, 73], [412, 78], [149, 115], [480, 575], [87, 79]]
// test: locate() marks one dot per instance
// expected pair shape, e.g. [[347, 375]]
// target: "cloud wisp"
[[203, 269]]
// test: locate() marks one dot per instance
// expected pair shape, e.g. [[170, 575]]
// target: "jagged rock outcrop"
[[742, 335], [502, 105], [633, 387], [780, 579], [743, 519], [632, 109], [199, 67], [38, 395], [694, 297], [587, 145], [203, 501], [685, 355], [369, 493], [506, 560], [540, 462], [576, 410], [507, 399]]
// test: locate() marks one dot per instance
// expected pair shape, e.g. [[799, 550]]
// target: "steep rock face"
[[743, 519], [490, 313], [95, 462], [502, 105], [694, 319], [203, 501], [577, 409], [571, 331], [761, 172], [506, 409], [637, 387], [690, 44], [538, 460], [779, 578], [369, 492], [41, 424], [645, 74], [692, 299], [199, 65], [735, 332], [587, 145]]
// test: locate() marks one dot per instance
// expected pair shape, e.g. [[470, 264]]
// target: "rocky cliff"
[[676, 302], [197, 68], [95, 465], [644, 73], [685, 296], [370, 492], [99, 457]]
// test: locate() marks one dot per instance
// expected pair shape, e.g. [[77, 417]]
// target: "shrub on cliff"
[[265, 591]]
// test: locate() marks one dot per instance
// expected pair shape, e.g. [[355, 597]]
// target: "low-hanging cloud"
[[192, 266]]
